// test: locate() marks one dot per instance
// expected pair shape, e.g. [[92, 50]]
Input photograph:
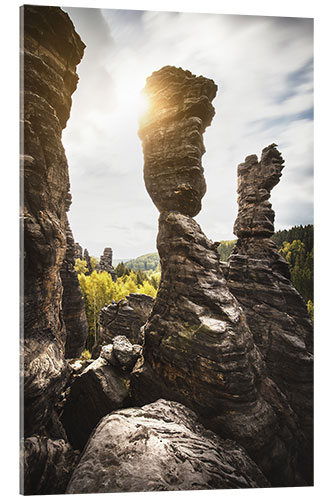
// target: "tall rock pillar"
[[259, 278], [198, 347], [51, 50]]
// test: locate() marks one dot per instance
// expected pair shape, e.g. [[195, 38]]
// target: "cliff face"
[[259, 278], [52, 50]]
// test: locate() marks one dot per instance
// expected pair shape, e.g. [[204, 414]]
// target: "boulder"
[[171, 131], [160, 447], [98, 390]]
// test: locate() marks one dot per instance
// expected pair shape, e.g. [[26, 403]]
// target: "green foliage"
[[86, 354], [302, 233], [81, 266], [93, 262], [99, 290], [146, 262], [225, 248], [122, 270], [301, 267], [310, 309]]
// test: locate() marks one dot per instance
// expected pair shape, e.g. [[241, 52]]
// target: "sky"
[[263, 67]]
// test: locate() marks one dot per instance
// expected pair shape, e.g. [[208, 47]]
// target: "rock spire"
[[199, 349]]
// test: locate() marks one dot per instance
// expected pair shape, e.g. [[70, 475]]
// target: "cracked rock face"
[[259, 278], [171, 133], [160, 447]]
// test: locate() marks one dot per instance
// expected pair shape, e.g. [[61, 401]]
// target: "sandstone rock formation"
[[52, 49], [160, 447], [199, 349], [124, 318], [259, 278], [78, 252], [105, 263], [171, 133], [101, 388], [48, 465], [73, 307], [86, 257]]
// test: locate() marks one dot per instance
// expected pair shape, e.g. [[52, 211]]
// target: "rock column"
[[198, 348], [259, 278], [51, 49]]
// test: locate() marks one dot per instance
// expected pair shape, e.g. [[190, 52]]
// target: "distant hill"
[[115, 262], [146, 262]]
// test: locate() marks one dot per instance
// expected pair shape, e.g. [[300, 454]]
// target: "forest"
[[142, 275]]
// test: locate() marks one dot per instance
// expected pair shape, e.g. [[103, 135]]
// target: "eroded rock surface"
[[52, 49], [48, 465], [171, 133], [259, 277], [124, 318], [73, 306], [160, 447]]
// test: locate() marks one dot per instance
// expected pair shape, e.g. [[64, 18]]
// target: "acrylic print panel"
[[168, 251]]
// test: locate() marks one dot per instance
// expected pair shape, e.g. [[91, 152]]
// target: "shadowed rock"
[[48, 465], [276, 313], [73, 306], [124, 318], [101, 388], [255, 182], [160, 447], [52, 49]]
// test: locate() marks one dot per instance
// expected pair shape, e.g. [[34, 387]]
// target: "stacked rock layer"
[[51, 49], [259, 277], [198, 348]]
